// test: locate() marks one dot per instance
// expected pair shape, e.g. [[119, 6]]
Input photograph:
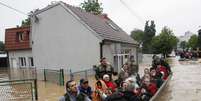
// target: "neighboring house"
[[187, 35], [17, 44], [63, 36]]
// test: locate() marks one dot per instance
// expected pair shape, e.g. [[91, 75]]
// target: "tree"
[[183, 45], [92, 6], [165, 42], [26, 22], [137, 35], [152, 29], [149, 33], [192, 42], [2, 46]]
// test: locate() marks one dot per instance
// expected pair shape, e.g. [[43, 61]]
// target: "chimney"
[[104, 16]]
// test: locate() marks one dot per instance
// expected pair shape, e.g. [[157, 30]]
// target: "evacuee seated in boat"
[[103, 88], [124, 74], [148, 89], [127, 92], [85, 88], [161, 70], [165, 64], [155, 78]]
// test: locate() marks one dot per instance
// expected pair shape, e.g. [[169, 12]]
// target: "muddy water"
[[47, 91], [185, 84]]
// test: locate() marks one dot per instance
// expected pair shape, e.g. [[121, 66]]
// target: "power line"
[[132, 12], [12, 8]]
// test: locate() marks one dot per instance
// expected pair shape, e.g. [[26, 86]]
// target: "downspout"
[[8, 63], [101, 49], [137, 60]]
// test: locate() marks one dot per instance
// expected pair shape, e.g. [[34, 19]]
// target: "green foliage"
[[93, 7], [192, 42], [2, 46], [26, 22], [165, 42], [137, 35], [149, 33], [152, 29], [183, 45]]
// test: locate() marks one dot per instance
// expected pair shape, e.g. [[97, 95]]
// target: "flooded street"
[[185, 84]]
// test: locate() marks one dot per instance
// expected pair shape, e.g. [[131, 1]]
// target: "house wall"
[[61, 41], [14, 58]]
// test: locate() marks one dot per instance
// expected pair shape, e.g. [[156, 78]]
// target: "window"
[[22, 61], [112, 26], [31, 62], [20, 36]]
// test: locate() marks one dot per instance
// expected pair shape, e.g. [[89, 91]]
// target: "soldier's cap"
[[82, 81]]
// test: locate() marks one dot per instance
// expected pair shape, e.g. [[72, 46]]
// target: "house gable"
[[59, 31]]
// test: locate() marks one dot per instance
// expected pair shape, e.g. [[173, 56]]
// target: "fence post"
[[61, 77], [86, 74], [36, 89], [35, 73], [71, 75], [44, 72]]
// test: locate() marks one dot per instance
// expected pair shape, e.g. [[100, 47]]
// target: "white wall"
[[19, 53], [60, 40]]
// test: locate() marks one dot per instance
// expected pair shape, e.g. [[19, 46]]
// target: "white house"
[[63, 36]]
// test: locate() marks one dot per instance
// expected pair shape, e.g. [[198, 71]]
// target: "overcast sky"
[[179, 15]]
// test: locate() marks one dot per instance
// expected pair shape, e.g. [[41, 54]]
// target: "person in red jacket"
[[162, 70], [148, 89], [109, 84]]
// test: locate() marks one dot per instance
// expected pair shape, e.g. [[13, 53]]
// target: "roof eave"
[[114, 41]]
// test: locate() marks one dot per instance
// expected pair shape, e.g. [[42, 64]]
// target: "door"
[[13, 63], [118, 62]]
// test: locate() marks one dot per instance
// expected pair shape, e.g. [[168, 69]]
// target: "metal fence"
[[22, 73], [87, 74], [47, 75], [50, 75], [55, 76], [19, 90]]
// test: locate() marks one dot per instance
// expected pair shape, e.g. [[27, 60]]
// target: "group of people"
[[128, 86], [188, 54]]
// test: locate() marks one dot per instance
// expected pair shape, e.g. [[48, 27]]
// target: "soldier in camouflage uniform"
[[104, 68]]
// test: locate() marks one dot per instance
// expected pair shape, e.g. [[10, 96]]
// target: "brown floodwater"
[[185, 84]]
